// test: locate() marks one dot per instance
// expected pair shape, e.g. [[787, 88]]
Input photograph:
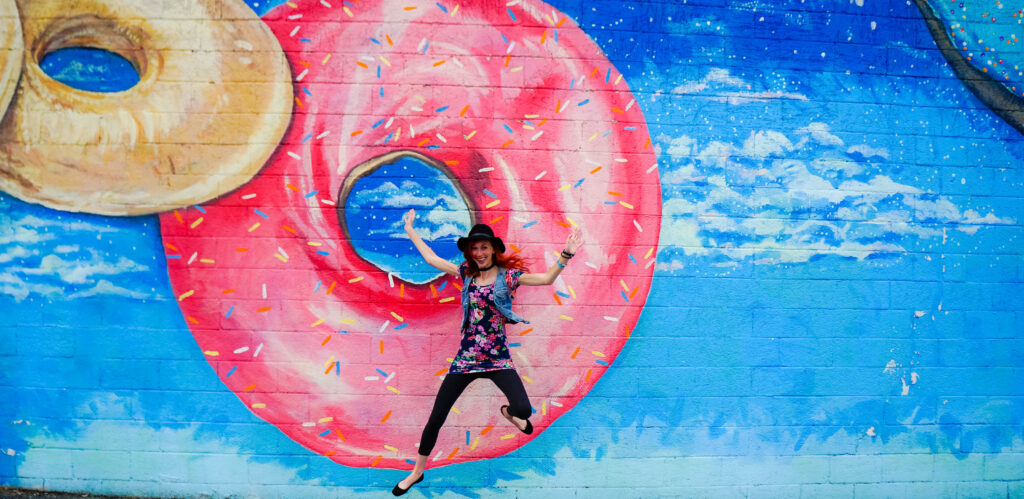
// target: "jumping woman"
[[490, 279]]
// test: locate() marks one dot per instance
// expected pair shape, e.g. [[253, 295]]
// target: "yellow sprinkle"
[[390, 448], [617, 80], [506, 437], [311, 243], [259, 405], [599, 354], [649, 253], [494, 203], [317, 323], [349, 12], [564, 187], [348, 321], [456, 410], [566, 317], [211, 353], [517, 68], [572, 293], [386, 62], [206, 260], [328, 419], [279, 257], [471, 134], [326, 58], [528, 380], [254, 226], [393, 389], [446, 300], [456, 9], [329, 361], [197, 222], [544, 408], [355, 279], [623, 283], [186, 294], [396, 316], [475, 441], [292, 5], [573, 222], [627, 205], [592, 137]]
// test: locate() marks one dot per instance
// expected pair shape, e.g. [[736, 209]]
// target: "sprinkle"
[[433, 291], [390, 448], [538, 177], [526, 332], [264, 309], [637, 224], [186, 294], [211, 353], [530, 224], [565, 317], [492, 204], [386, 416], [232, 371], [197, 222], [441, 109], [257, 352], [394, 389], [556, 299], [438, 63], [331, 287], [249, 388], [260, 213], [573, 356], [507, 143], [489, 193], [517, 68], [382, 347], [475, 441], [453, 453], [630, 255], [442, 7], [463, 112], [563, 295], [328, 338], [448, 299], [601, 362], [396, 316], [612, 319], [375, 461], [356, 279], [317, 323], [470, 136], [584, 101], [401, 326], [259, 406], [384, 326], [338, 433], [506, 437], [442, 371]]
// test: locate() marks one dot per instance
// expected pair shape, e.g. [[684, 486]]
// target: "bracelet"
[[560, 264], [567, 255]]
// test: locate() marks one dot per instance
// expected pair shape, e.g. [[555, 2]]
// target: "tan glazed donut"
[[12, 49], [213, 100]]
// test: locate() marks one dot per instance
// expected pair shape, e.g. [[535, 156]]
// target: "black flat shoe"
[[529, 426], [399, 491]]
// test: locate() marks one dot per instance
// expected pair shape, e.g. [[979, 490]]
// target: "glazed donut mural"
[[536, 130]]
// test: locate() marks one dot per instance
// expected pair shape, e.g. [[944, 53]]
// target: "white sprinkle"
[[419, 47], [257, 352], [265, 290], [538, 135], [242, 350], [285, 255], [308, 424], [412, 133], [192, 258], [564, 106], [366, 58], [387, 379], [510, 47], [294, 17], [242, 44], [649, 263], [371, 378], [328, 202], [302, 75], [296, 30], [595, 163], [323, 134], [391, 280], [296, 156], [613, 319], [248, 196], [556, 404], [441, 138], [325, 4], [488, 169], [638, 227], [621, 160], [457, 62], [384, 326], [588, 264], [651, 169], [631, 101], [388, 124], [545, 172]]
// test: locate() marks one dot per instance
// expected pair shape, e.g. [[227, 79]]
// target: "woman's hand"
[[409, 217], [575, 240]]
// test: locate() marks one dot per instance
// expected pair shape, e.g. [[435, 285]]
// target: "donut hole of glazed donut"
[[108, 42], [377, 194]]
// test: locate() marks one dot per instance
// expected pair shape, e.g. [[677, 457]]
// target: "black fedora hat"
[[481, 231]]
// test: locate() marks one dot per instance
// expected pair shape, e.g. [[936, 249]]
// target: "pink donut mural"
[[539, 133]]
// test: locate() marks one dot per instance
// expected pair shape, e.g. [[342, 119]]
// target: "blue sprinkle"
[[530, 224], [611, 202], [624, 297], [608, 75], [435, 146], [382, 91], [510, 14], [325, 433], [528, 122], [172, 257], [260, 213], [440, 109], [350, 4], [314, 193], [374, 40], [514, 344], [382, 373], [489, 193], [467, 437], [317, 288], [232, 371], [341, 332], [571, 83], [443, 284], [601, 362], [306, 90], [401, 326], [200, 208], [503, 38], [337, 368], [563, 294], [584, 101], [410, 461], [378, 72], [507, 127], [577, 184], [322, 252], [425, 45], [388, 138], [630, 128], [306, 138], [232, 309], [379, 123], [556, 36], [605, 134], [445, 11], [305, 40], [631, 257]]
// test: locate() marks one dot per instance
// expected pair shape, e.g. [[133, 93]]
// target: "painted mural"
[[802, 275]]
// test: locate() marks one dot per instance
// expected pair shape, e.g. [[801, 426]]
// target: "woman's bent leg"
[[511, 385], [452, 386]]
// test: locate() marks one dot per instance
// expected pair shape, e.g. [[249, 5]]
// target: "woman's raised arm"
[[428, 254], [572, 245]]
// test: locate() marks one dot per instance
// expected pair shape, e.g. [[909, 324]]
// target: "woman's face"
[[482, 253]]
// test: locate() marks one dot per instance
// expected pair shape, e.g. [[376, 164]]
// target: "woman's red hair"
[[507, 260]]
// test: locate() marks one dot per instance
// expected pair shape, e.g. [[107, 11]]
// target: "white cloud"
[[721, 86], [868, 151]]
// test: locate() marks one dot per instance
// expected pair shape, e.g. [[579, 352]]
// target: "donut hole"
[[377, 194], [91, 53]]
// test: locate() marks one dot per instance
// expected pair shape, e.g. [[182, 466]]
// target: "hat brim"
[[496, 242]]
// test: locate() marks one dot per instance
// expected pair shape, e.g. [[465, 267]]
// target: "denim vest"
[[502, 299]]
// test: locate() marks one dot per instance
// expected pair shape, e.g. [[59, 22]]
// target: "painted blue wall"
[[837, 307]]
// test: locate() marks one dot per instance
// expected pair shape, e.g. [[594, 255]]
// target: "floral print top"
[[484, 347]]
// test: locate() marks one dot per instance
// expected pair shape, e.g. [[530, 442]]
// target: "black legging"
[[508, 382]]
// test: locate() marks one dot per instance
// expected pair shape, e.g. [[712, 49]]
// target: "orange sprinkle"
[[178, 216], [556, 299], [507, 143], [614, 193], [633, 293], [388, 37], [241, 250], [328, 371], [487, 430], [442, 371], [192, 320], [328, 338], [457, 286], [594, 72], [495, 220], [264, 309], [595, 170], [628, 332], [171, 246], [338, 433], [292, 187], [463, 113], [588, 375], [424, 141], [228, 291], [386, 416], [375, 461], [401, 290], [331, 287], [648, 144], [453, 453], [528, 331], [433, 291], [507, 58], [412, 7], [438, 63], [563, 224], [514, 248], [558, 105], [617, 110], [543, 37], [574, 353], [250, 388], [357, 132], [329, 453], [287, 228], [297, 101], [452, 162], [382, 350], [361, 63], [559, 25]]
